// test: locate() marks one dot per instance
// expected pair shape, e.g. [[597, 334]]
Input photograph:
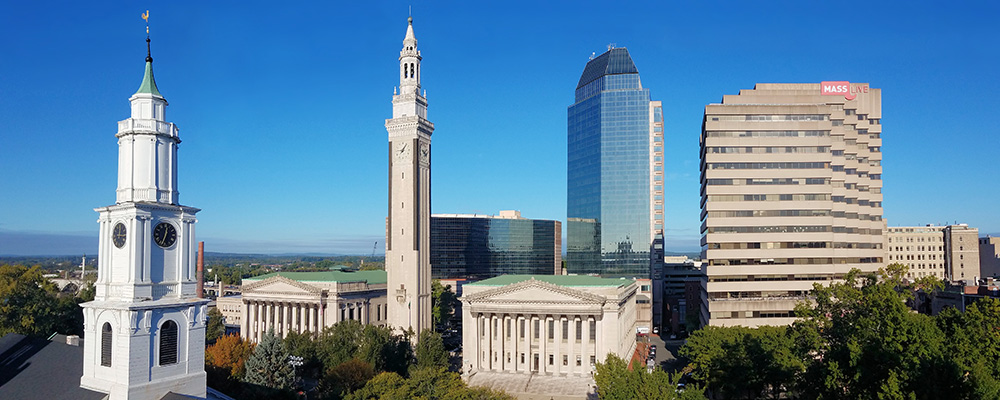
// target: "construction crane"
[[374, 246]]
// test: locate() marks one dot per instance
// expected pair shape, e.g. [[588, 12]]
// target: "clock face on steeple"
[[164, 234], [119, 235]]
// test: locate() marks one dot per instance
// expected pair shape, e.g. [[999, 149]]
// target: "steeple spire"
[[148, 83]]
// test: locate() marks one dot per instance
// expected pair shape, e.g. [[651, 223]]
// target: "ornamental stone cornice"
[[576, 297], [258, 286]]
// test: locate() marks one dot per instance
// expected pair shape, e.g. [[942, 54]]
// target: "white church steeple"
[[147, 146], [145, 330]]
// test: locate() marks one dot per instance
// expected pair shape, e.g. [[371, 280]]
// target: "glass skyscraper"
[[614, 169], [477, 247]]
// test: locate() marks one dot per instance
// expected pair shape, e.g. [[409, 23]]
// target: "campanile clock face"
[[119, 235], [164, 234]]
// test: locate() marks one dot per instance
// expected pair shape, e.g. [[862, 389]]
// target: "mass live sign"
[[842, 88]]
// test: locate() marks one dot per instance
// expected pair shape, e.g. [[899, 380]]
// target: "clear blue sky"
[[281, 106]]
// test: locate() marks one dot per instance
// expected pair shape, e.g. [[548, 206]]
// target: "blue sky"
[[281, 106]]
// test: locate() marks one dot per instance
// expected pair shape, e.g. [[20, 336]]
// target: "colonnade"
[[283, 316], [543, 343], [358, 311]]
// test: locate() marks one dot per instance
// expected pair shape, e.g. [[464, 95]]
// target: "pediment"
[[280, 284], [534, 291]]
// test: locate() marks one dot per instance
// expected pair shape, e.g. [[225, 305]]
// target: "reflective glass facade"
[[609, 170], [478, 247]]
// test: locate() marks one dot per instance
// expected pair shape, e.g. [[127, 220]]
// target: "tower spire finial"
[[149, 56]]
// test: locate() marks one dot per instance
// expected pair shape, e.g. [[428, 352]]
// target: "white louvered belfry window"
[[106, 345], [168, 343]]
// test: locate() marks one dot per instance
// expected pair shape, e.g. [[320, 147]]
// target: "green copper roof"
[[561, 280], [148, 83], [371, 277]]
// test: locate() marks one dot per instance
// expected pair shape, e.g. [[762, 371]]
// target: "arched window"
[[106, 345], [168, 343]]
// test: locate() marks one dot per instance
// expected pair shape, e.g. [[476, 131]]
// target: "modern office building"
[[791, 195], [946, 252], [477, 247], [615, 170], [989, 256]]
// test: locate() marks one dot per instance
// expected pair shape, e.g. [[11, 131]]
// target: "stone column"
[[258, 320], [312, 320], [267, 318], [489, 342], [478, 351], [557, 366], [287, 323], [543, 338], [244, 319], [571, 345]]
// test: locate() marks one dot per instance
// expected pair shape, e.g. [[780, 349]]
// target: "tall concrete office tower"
[[791, 186], [145, 329], [615, 164], [408, 227]]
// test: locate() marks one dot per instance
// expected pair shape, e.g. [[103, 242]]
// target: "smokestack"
[[201, 270]]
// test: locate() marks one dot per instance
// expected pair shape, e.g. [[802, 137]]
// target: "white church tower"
[[145, 329], [408, 227]]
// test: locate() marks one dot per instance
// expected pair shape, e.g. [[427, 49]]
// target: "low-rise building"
[[989, 256], [546, 324], [948, 252], [231, 308], [310, 301]]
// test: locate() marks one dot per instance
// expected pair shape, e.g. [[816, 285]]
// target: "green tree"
[[385, 350], [339, 343], [443, 303], [268, 364], [345, 378], [973, 346], [868, 344], [430, 350], [215, 327], [423, 384], [28, 303], [616, 381]]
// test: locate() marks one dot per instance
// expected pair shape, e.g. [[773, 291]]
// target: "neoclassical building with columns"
[[547, 324], [310, 301]]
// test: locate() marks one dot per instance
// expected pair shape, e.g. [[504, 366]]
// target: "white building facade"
[[546, 324], [408, 226], [145, 329], [304, 302]]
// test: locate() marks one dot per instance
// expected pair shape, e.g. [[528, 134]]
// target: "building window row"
[[768, 150], [769, 213], [769, 197], [770, 165], [780, 117], [777, 294], [770, 278], [773, 181], [796, 261], [767, 133], [752, 314], [793, 245]]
